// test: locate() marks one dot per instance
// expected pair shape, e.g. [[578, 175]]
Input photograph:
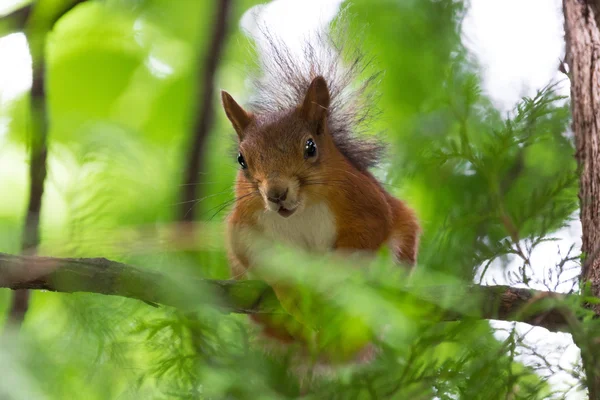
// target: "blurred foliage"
[[122, 78]]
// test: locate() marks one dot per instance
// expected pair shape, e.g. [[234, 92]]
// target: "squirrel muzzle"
[[280, 196]]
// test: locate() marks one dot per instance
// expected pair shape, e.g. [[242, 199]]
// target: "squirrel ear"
[[316, 101], [239, 118]]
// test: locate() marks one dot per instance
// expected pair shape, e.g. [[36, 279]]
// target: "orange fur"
[[366, 217]]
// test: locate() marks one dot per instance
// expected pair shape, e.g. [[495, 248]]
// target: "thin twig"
[[204, 112]]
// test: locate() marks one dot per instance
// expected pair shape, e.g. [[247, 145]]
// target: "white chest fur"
[[312, 228]]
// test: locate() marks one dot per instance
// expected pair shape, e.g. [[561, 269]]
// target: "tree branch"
[[205, 113], [102, 276], [38, 146], [16, 20]]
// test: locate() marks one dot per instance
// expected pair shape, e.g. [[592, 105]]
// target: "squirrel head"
[[285, 153]]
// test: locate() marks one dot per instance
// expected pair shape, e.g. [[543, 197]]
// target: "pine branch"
[[102, 276]]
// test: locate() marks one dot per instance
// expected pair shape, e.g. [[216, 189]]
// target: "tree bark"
[[583, 57]]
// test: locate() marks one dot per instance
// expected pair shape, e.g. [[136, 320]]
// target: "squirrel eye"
[[310, 149], [242, 161]]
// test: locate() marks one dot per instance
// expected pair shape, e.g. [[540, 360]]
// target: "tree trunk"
[[583, 58]]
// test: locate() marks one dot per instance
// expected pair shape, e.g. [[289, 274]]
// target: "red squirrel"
[[304, 172]]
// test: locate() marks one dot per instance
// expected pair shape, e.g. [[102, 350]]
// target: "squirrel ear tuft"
[[316, 102], [239, 118]]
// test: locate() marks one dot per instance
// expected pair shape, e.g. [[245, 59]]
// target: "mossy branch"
[[102, 276]]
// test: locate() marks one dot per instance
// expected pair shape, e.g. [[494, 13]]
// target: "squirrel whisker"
[[231, 202], [202, 198]]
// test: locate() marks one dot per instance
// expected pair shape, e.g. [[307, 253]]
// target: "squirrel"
[[304, 174]]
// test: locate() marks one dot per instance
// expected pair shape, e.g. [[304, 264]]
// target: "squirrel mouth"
[[284, 212]]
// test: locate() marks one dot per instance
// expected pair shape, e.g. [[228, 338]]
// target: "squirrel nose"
[[277, 195]]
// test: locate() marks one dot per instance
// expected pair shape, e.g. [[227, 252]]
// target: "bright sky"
[[517, 42]]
